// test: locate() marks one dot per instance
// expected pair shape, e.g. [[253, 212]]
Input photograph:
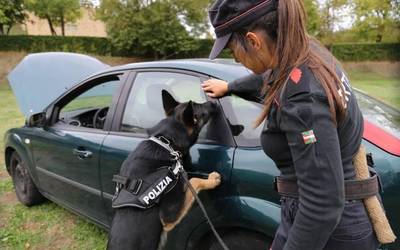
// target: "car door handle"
[[82, 153]]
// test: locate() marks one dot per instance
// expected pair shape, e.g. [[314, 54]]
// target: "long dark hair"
[[293, 47]]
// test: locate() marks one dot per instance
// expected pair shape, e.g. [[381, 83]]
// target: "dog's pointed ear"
[[169, 103], [188, 117]]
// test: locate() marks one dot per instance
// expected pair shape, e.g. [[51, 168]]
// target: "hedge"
[[88, 45], [103, 46], [367, 51], [344, 52]]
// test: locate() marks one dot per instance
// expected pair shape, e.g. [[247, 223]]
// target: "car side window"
[[89, 109], [144, 108], [241, 115]]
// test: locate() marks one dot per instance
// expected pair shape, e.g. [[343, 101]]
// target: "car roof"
[[225, 69]]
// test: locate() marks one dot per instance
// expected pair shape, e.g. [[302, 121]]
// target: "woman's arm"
[[248, 87], [314, 146]]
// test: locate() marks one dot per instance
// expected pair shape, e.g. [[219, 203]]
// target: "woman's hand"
[[215, 88]]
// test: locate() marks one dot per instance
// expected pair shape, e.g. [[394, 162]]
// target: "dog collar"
[[176, 155]]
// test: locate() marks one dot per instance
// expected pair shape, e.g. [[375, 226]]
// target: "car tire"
[[241, 240], [26, 191]]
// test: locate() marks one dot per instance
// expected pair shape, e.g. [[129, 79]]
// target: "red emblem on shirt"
[[295, 76]]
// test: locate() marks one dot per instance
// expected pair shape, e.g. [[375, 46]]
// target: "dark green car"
[[84, 118]]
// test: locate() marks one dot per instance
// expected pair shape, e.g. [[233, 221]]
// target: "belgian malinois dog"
[[141, 228]]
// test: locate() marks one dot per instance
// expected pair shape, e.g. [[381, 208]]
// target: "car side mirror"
[[37, 120]]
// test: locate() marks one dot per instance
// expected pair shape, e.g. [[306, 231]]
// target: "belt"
[[354, 189]]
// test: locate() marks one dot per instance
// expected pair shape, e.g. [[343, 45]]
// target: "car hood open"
[[39, 79]]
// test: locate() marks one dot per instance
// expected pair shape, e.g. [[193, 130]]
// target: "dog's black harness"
[[128, 193], [145, 192]]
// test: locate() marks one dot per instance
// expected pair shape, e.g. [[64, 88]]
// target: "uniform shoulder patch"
[[298, 82], [295, 75]]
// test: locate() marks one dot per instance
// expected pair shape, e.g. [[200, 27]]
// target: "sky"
[[345, 21], [95, 2]]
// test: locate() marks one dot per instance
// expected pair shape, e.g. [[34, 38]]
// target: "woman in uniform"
[[313, 126]]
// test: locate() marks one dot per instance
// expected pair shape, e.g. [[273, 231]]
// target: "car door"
[[142, 108], [67, 151]]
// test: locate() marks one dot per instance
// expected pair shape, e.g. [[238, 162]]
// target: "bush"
[[200, 48], [344, 52], [367, 51], [203, 50], [88, 45]]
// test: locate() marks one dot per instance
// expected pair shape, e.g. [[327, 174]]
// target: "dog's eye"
[[195, 121]]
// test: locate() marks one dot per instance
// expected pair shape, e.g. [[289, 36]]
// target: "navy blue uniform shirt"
[[305, 143]]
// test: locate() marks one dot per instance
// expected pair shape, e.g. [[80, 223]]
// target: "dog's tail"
[[163, 240]]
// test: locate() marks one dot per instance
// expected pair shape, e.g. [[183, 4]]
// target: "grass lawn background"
[[49, 226]]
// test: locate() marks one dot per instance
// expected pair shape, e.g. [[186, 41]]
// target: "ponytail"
[[286, 27]]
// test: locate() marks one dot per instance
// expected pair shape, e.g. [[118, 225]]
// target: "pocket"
[[356, 232], [353, 237], [354, 224]]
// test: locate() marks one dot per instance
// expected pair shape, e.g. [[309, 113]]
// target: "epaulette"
[[298, 82]]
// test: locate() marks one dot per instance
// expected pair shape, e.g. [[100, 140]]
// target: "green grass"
[[6, 185], [47, 226], [88, 102], [386, 89], [9, 114]]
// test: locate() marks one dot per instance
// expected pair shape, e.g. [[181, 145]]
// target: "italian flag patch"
[[309, 137]]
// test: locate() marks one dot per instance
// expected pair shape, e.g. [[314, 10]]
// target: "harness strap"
[[132, 186], [167, 145], [354, 189], [119, 179]]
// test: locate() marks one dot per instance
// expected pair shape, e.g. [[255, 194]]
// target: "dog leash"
[[164, 142]]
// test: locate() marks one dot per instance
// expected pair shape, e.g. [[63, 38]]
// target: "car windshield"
[[379, 113]]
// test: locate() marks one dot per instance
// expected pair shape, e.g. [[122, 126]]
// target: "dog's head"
[[192, 115]]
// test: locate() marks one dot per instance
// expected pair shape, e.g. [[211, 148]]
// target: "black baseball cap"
[[227, 16]]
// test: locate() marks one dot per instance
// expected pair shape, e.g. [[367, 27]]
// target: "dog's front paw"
[[214, 179]]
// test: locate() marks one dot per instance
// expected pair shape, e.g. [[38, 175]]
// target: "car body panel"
[[18, 139], [388, 168], [63, 174], [246, 199], [205, 158], [253, 174], [40, 78], [227, 214]]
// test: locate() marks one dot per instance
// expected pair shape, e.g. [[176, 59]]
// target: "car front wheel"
[[27, 192]]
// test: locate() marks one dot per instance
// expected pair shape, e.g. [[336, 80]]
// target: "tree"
[[56, 12], [331, 13], [375, 19], [160, 28], [11, 12], [313, 17]]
